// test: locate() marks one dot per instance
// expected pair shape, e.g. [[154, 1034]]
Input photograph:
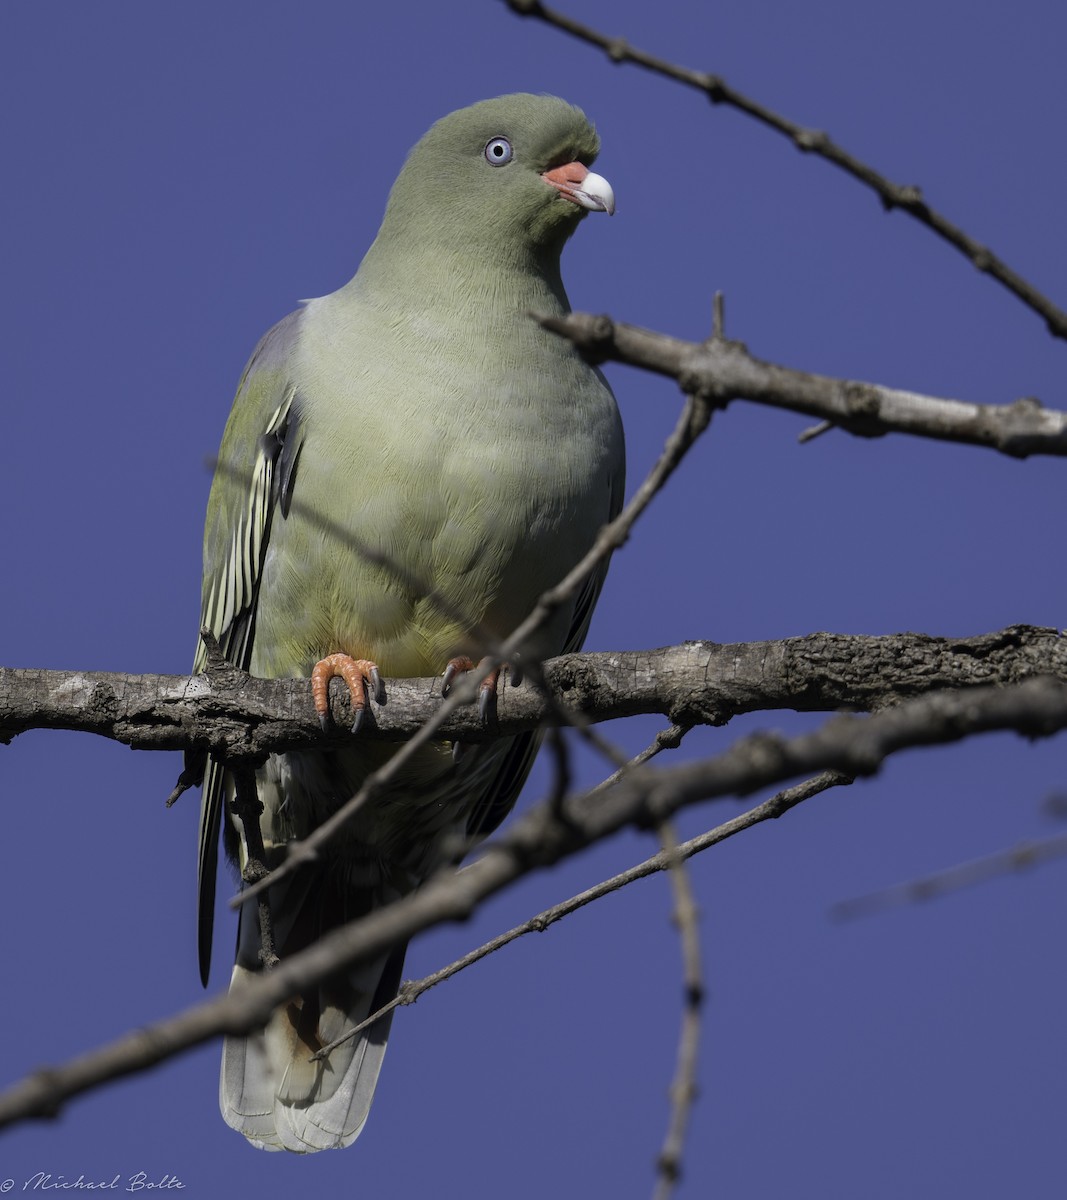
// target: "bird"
[[474, 457]]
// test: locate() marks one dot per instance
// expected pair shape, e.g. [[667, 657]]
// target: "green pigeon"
[[476, 455]]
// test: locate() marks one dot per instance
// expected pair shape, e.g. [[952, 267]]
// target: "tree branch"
[[907, 197], [239, 715], [854, 745], [725, 368], [683, 1089], [776, 806]]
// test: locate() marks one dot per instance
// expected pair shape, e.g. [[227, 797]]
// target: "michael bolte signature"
[[141, 1181]]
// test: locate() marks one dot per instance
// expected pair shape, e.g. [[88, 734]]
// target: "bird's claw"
[[487, 700], [362, 677], [459, 665], [487, 690]]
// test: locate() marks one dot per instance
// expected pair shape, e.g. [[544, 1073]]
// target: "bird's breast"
[[469, 471]]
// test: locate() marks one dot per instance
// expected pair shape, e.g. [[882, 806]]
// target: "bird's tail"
[[271, 1089]]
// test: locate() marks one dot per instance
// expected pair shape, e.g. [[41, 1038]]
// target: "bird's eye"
[[497, 151]]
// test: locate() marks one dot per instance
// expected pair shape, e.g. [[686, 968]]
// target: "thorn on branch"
[[192, 776], [718, 317], [814, 431], [216, 660]]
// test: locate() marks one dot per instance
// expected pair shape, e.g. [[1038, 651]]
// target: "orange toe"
[[360, 674], [487, 691], [459, 665]]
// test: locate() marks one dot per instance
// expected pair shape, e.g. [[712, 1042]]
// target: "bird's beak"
[[574, 181]]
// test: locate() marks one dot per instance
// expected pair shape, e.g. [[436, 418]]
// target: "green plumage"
[[421, 408]]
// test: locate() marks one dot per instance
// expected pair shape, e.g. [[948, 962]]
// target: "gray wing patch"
[[231, 592], [229, 601]]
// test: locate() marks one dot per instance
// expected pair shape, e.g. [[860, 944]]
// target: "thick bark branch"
[[544, 836], [724, 370], [236, 715]]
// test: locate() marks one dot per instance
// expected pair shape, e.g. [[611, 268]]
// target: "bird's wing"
[[254, 478]]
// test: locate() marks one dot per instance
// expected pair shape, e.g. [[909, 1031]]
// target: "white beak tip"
[[595, 193]]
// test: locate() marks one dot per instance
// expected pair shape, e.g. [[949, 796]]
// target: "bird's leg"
[[247, 807], [361, 675], [487, 690]]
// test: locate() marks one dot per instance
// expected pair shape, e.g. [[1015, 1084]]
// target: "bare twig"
[[684, 1086], [979, 870], [854, 745], [907, 197], [666, 739], [776, 806], [412, 989], [1019, 429]]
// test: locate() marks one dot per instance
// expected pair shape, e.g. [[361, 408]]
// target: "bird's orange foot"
[[460, 665], [362, 677], [487, 691]]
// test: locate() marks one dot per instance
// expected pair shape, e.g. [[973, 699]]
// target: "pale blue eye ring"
[[498, 151]]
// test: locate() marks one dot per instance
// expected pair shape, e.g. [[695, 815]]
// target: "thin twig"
[[812, 141], [776, 806], [412, 989], [666, 739], [684, 1085], [1018, 858]]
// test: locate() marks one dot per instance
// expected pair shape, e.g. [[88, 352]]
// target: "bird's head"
[[508, 176]]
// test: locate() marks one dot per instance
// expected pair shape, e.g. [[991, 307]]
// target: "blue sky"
[[175, 179]]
